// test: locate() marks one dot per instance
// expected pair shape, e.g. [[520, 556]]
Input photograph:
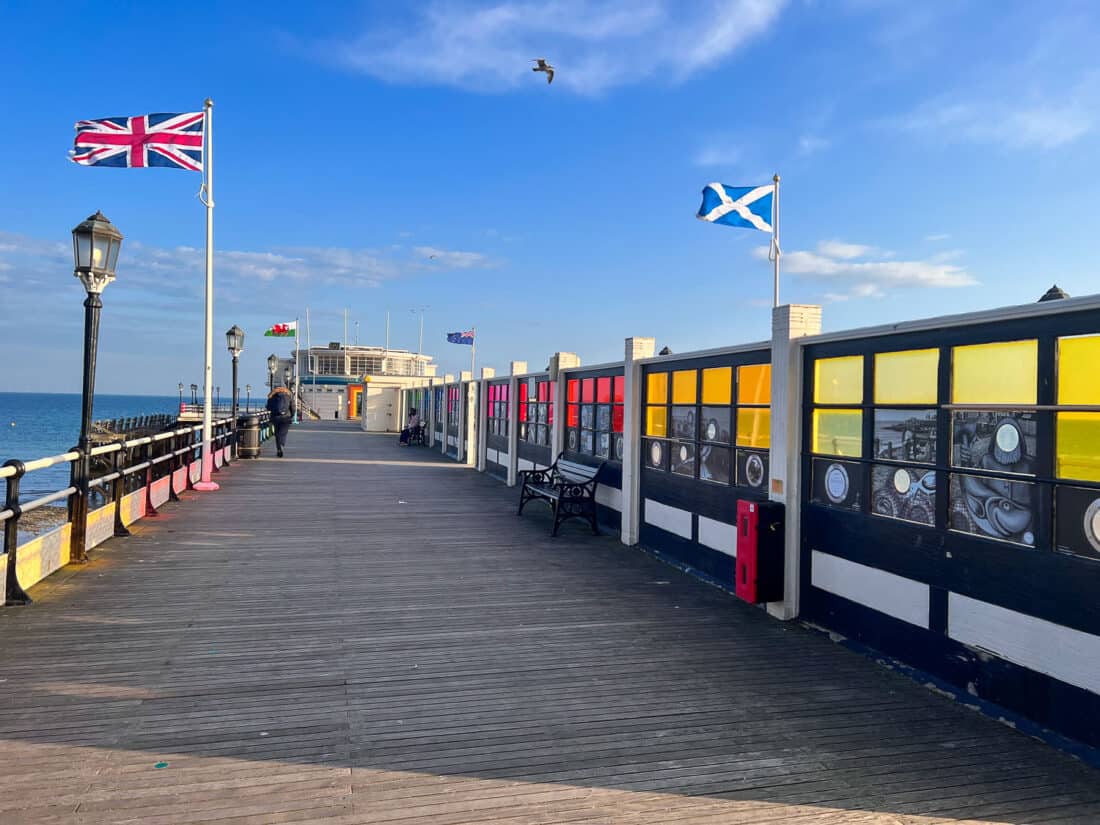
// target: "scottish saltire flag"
[[746, 206], [172, 140], [287, 330], [461, 337]]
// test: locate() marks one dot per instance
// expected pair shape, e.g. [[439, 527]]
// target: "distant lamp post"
[[96, 244], [272, 365], [234, 342], [181, 395], [286, 377], [217, 397], [247, 397], [194, 393]]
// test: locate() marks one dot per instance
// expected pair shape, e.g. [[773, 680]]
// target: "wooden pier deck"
[[362, 634]]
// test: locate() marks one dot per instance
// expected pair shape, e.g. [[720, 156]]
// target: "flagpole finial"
[[775, 178], [208, 103]]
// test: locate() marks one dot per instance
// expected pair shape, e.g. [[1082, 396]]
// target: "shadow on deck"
[[362, 633]]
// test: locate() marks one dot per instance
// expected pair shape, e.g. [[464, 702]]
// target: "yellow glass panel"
[[718, 385], [754, 427], [657, 388], [838, 380], [838, 432], [1078, 362], [908, 377], [656, 421], [754, 384], [683, 387], [1001, 373], [1079, 446]]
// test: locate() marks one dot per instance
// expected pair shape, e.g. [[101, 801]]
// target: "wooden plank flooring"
[[362, 634]]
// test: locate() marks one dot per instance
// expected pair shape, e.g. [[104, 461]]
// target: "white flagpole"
[[208, 377], [297, 394], [775, 235]]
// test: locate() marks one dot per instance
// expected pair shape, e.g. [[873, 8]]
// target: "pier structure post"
[[14, 594], [466, 388], [636, 348], [789, 322], [560, 362], [483, 416], [517, 368]]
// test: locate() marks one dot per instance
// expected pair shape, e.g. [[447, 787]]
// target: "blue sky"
[[935, 157]]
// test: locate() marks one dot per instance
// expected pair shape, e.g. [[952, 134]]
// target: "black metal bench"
[[568, 487]]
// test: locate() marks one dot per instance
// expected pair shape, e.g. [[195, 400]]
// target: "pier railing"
[[130, 479]]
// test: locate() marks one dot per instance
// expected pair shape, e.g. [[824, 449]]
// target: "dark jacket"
[[280, 404]]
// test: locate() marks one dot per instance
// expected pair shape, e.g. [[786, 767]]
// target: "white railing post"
[[483, 416], [789, 323], [636, 348], [560, 362], [517, 368]]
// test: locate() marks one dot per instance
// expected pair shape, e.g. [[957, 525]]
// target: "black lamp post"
[[194, 393], [286, 377], [272, 365], [96, 243], [248, 397], [234, 342], [181, 395], [217, 397]]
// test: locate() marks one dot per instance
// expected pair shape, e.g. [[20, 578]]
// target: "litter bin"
[[248, 431]]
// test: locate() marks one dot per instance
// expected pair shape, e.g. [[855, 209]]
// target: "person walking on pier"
[[281, 406]]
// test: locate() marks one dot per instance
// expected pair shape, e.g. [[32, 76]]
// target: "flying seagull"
[[543, 66]]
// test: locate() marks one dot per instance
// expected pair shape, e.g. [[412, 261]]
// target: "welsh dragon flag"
[[287, 330]]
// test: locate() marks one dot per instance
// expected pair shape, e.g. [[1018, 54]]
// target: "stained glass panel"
[[657, 388], [620, 389], [683, 387], [754, 384], [837, 432], [573, 389], [656, 421], [838, 380], [754, 427], [603, 390], [1000, 373], [1078, 445], [617, 418], [718, 385], [1078, 359], [909, 377], [573, 416], [588, 390]]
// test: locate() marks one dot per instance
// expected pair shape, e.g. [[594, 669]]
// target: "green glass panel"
[[838, 432], [838, 380]]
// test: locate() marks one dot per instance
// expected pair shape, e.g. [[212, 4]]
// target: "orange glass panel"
[[683, 387], [656, 421], [754, 427], [754, 384], [657, 388], [718, 385]]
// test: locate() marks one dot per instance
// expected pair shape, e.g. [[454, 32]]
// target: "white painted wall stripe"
[[1066, 654], [672, 519], [717, 535], [609, 497], [524, 464], [492, 455], [887, 593]]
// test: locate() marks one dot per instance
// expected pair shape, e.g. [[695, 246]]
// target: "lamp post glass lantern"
[[248, 397], [234, 342], [272, 365], [181, 393], [96, 244], [194, 393]]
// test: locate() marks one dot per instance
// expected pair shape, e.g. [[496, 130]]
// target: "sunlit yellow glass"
[[718, 385], [657, 388], [838, 380], [1078, 366], [754, 384], [754, 427], [683, 387], [908, 377], [1001, 373], [656, 421], [838, 432], [1079, 446]]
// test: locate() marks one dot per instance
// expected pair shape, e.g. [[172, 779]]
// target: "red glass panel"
[[544, 390], [617, 418], [588, 390], [573, 416], [603, 390], [550, 413], [574, 390], [523, 392], [620, 388]]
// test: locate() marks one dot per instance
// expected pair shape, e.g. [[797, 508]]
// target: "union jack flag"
[[173, 140]]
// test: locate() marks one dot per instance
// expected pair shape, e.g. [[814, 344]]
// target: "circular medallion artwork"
[[619, 448], [573, 440], [1008, 443], [655, 453], [1092, 524], [836, 483], [683, 452], [902, 481], [754, 470], [712, 430]]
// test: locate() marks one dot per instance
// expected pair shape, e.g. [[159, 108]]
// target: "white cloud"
[[1041, 125], [811, 144], [939, 236], [839, 264], [595, 45], [840, 249], [454, 259], [718, 154]]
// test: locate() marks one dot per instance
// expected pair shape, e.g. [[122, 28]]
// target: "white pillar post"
[[636, 348], [448, 379], [789, 323], [465, 419], [517, 368], [483, 416], [560, 363]]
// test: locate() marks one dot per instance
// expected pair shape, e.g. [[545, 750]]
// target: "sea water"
[[36, 425]]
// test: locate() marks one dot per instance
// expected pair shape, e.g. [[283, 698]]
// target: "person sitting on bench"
[[411, 426]]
